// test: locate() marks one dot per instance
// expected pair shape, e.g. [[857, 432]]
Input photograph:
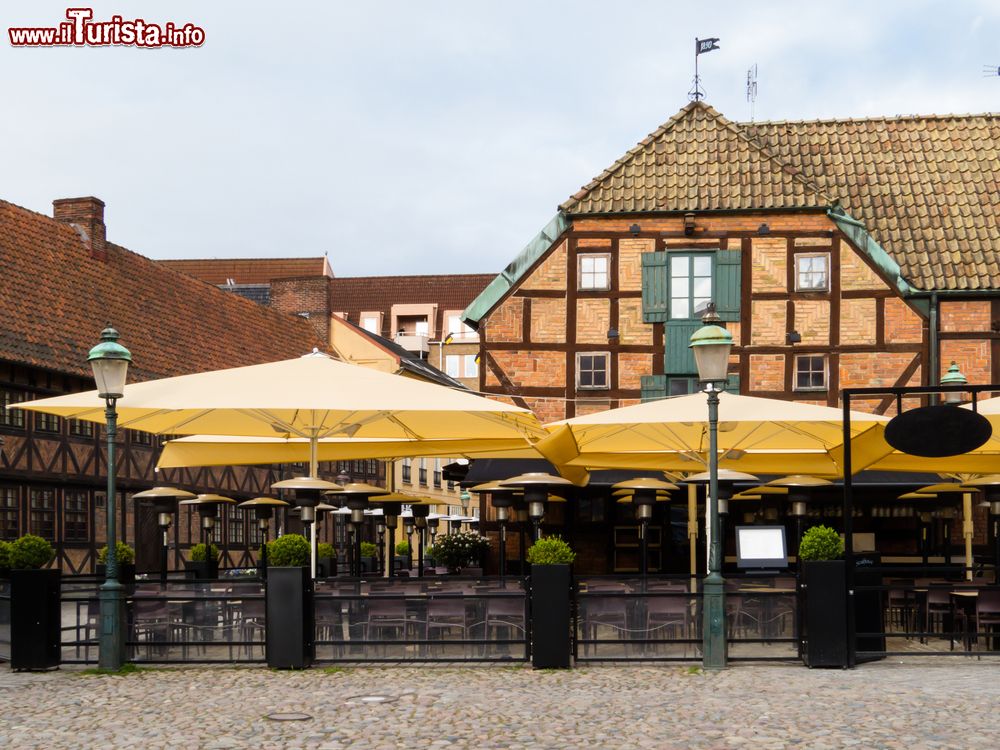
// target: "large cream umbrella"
[[756, 435]]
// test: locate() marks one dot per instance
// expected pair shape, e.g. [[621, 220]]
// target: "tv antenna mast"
[[991, 71], [752, 88]]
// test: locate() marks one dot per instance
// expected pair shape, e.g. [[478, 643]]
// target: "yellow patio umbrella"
[[311, 397], [756, 435]]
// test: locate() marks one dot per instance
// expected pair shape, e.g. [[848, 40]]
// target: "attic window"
[[812, 272]]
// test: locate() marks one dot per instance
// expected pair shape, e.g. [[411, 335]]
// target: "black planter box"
[[35, 619], [126, 573], [290, 618], [824, 585], [868, 606], [550, 620], [369, 564], [202, 571], [326, 567]]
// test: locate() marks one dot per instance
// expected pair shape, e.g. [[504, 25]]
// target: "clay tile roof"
[[219, 271], [926, 187], [56, 298], [357, 294]]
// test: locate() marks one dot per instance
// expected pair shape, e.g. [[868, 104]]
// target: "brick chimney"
[[86, 215]]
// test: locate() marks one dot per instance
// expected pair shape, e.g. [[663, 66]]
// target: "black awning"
[[492, 469]]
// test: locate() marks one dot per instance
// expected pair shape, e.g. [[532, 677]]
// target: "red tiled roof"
[[56, 298], [219, 271], [354, 295]]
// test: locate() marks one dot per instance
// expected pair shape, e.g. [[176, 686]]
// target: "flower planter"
[[290, 618], [824, 635], [126, 572], [550, 616], [35, 619]]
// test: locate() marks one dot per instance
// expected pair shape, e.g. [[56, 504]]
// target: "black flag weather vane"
[[700, 47]]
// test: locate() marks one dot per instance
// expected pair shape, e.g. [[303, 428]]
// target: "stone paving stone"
[[944, 703]]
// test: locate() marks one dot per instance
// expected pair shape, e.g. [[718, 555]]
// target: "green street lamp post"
[[109, 361], [712, 344]]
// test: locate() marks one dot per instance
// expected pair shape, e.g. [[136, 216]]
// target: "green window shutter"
[[679, 358], [728, 284], [654, 387], [733, 386], [655, 289]]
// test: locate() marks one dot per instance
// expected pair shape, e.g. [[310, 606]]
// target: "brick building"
[[839, 253], [63, 283], [249, 277]]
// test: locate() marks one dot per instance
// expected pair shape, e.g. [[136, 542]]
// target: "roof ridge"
[[683, 113], [247, 259], [416, 276], [883, 118]]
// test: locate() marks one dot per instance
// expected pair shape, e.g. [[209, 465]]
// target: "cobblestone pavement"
[[933, 703]]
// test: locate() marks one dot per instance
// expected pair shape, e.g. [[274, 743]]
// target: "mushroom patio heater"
[[420, 511], [502, 499], [263, 510], [537, 486], [989, 485], [164, 500], [801, 489], [308, 492], [208, 508], [946, 512], [355, 497], [392, 508], [645, 491]]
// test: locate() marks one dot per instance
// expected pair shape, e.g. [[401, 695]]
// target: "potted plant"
[[126, 562], [35, 617], [402, 555], [430, 556], [4, 559], [824, 588], [457, 551], [326, 560], [289, 604], [204, 562], [550, 589], [369, 555]]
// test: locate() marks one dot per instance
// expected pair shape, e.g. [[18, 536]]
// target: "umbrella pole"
[[967, 532], [314, 473], [693, 532]]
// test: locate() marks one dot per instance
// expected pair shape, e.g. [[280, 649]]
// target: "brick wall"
[[631, 368], [506, 322], [812, 321], [551, 274], [631, 329], [973, 358], [630, 262], [770, 264], [548, 320], [857, 321], [768, 321], [902, 324], [308, 297], [530, 368], [965, 315], [593, 319], [767, 372]]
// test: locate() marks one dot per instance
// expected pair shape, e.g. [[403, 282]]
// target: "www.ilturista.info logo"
[[81, 31]]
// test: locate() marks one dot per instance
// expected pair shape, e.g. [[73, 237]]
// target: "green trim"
[[540, 244]]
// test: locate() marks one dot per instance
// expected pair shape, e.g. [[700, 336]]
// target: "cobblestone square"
[[924, 703]]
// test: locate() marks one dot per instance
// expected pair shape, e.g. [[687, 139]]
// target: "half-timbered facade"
[[62, 283]]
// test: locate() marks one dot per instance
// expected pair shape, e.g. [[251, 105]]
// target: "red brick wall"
[[306, 297]]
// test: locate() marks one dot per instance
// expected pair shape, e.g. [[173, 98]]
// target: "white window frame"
[[593, 275], [798, 272], [607, 371], [689, 297], [470, 368], [453, 365], [826, 373]]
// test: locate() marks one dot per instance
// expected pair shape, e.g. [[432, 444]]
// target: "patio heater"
[[989, 485], [946, 512], [502, 500], [420, 511], [408, 526], [355, 497], [164, 500], [645, 492], [392, 508], [537, 486], [208, 508], [263, 510], [308, 492], [712, 344], [923, 512], [801, 489], [433, 523], [109, 361]]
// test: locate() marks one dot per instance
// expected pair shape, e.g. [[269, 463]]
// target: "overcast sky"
[[431, 137]]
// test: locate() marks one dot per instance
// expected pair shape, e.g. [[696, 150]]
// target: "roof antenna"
[[990, 71], [700, 46], [752, 88]]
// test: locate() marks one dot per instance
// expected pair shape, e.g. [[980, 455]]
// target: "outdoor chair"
[[447, 615], [597, 612], [936, 609], [388, 619], [250, 617], [151, 626], [668, 617], [988, 615]]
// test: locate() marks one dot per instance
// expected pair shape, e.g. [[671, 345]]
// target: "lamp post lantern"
[[110, 360], [711, 345], [955, 377]]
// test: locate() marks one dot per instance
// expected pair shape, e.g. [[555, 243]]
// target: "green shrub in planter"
[[198, 553], [4, 555], [368, 549], [288, 551], [325, 549], [126, 555], [31, 552], [821, 543], [551, 550], [403, 549]]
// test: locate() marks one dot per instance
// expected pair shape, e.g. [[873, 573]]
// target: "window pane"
[[680, 308], [679, 287], [700, 303], [451, 365], [587, 263], [702, 265], [471, 368], [600, 378], [601, 263], [679, 266], [703, 287]]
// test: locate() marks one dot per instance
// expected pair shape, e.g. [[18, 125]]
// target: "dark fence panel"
[[4, 619], [431, 619]]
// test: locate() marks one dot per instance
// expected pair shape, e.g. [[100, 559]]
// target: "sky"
[[431, 136]]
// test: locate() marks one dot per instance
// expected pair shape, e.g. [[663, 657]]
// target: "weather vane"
[[700, 45], [989, 71]]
